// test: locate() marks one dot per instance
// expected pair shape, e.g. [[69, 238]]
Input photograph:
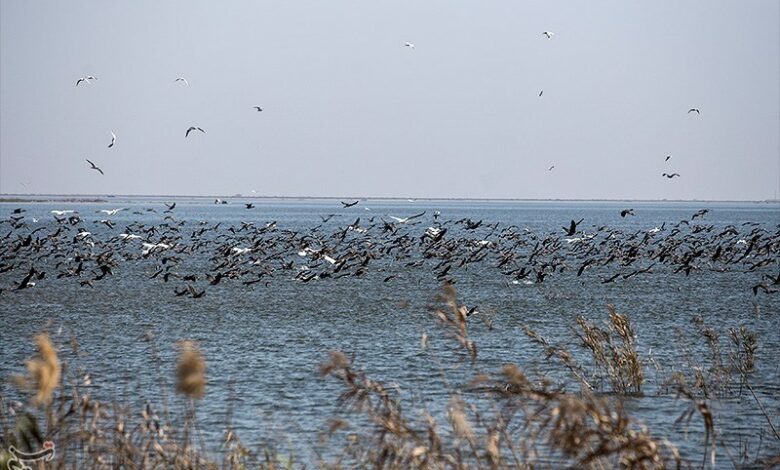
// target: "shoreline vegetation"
[[529, 422]]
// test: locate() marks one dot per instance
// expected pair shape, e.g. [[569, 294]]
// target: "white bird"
[[150, 247], [240, 251], [60, 213], [409, 45], [84, 234], [549, 34], [404, 220], [113, 139], [128, 236], [182, 79], [112, 211]]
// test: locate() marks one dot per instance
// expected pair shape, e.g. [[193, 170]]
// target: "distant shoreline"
[[102, 198]]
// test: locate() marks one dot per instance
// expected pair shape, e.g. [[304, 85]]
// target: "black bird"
[[667, 158], [540, 93], [326, 218], [694, 109], [670, 176], [249, 205], [26, 281], [195, 294], [626, 212], [170, 207], [258, 108], [572, 227], [349, 204], [94, 167], [193, 128]]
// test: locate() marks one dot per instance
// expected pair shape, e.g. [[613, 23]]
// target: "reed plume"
[[43, 371], [191, 371]]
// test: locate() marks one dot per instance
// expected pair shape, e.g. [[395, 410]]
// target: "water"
[[264, 342]]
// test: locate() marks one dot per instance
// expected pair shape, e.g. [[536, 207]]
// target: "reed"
[[501, 419]]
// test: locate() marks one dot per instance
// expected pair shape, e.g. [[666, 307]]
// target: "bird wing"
[[93, 165], [188, 131], [416, 216]]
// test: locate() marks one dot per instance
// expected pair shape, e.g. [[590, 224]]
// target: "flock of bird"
[[89, 79], [193, 256]]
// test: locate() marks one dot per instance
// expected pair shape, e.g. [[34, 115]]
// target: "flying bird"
[[626, 212], [183, 80], [551, 168], [94, 167], [572, 227], [409, 45], [349, 204], [113, 211], [549, 34], [541, 93], [193, 128], [407, 219], [113, 139], [667, 158], [258, 108], [670, 176], [249, 205], [694, 110], [85, 80]]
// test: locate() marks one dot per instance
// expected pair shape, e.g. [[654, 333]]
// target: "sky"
[[348, 110]]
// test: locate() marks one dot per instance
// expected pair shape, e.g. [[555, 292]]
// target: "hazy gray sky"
[[349, 111]]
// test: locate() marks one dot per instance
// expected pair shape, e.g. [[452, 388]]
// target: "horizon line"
[[379, 198]]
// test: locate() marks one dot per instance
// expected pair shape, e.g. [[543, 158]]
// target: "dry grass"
[[612, 348], [514, 421]]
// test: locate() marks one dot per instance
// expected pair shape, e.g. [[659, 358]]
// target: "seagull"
[[193, 128], [61, 213], [182, 79], [113, 139], [94, 167], [670, 176], [667, 158], [406, 219], [551, 168], [85, 79], [694, 109], [258, 108], [349, 204], [409, 45], [113, 211], [549, 34]]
